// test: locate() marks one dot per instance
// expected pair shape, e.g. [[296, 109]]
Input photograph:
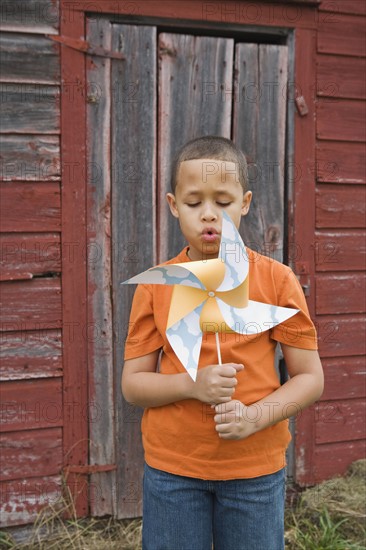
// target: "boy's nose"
[[209, 214]]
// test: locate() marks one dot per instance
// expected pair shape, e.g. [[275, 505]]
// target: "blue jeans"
[[183, 513]]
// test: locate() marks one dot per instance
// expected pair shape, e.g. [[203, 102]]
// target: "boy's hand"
[[216, 383], [234, 420]]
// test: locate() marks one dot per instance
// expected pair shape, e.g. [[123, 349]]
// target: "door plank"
[[195, 95], [259, 130], [133, 145], [100, 348]]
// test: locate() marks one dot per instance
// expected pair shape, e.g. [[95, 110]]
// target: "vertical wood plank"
[[259, 130], [100, 347], [74, 290], [195, 96], [304, 223], [133, 144]]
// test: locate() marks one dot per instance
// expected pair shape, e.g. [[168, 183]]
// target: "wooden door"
[[168, 88]]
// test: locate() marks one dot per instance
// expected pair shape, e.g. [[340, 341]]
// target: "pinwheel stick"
[[218, 348]]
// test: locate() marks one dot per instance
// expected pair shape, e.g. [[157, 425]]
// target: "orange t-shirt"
[[180, 438]]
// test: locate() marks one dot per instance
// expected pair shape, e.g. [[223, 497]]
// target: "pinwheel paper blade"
[[212, 296]]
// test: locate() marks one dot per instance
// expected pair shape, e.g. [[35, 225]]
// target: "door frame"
[[300, 36]]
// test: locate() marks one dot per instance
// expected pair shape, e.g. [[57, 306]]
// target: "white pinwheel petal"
[[185, 337], [167, 275], [255, 318], [233, 253]]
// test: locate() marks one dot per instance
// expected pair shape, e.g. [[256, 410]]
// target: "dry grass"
[[329, 516], [332, 515]]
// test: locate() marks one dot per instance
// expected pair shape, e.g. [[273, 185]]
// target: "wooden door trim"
[[302, 208], [74, 280], [74, 210]]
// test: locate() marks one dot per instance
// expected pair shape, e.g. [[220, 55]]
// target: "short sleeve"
[[143, 336], [298, 331]]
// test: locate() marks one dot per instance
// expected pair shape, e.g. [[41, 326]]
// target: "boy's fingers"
[[231, 369], [238, 366]]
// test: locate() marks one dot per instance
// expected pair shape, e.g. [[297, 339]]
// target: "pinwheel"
[[212, 296]]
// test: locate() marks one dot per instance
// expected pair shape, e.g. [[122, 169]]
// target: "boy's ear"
[[172, 204], [247, 199]]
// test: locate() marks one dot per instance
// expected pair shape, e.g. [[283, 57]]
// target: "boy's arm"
[[143, 386], [234, 420]]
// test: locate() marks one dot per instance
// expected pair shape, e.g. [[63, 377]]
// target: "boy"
[[215, 448]]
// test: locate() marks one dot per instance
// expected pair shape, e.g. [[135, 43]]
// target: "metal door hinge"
[[89, 469], [85, 47], [301, 105]]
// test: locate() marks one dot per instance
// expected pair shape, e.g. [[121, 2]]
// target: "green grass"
[[322, 534]]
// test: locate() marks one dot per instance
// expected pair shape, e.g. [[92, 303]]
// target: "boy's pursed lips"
[[210, 234]]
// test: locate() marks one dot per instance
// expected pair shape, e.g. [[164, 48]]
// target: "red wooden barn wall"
[[31, 308], [44, 343], [339, 236]]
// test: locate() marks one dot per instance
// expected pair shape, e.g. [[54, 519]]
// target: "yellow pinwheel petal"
[[211, 319], [184, 300], [237, 297], [211, 273]]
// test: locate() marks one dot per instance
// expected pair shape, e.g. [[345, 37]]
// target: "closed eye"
[[192, 205], [224, 203]]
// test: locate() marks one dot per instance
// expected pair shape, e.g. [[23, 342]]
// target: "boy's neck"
[[204, 257]]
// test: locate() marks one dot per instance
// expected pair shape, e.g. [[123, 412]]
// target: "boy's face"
[[204, 188]]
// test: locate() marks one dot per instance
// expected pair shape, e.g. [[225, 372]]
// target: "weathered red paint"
[[303, 223], [305, 160], [74, 289], [30, 206], [25, 255], [332, 165]]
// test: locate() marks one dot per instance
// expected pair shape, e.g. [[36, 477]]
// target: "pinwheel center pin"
[[211, 294]]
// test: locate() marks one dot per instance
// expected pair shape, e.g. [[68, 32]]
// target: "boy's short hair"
[[211, 147]]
